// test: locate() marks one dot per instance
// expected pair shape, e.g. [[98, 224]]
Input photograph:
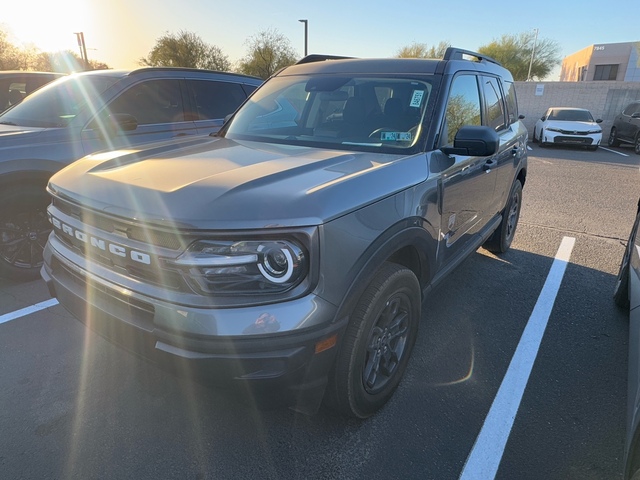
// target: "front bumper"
[[559, 138], [294, 364]]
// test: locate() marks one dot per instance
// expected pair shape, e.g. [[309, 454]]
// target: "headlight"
[[553, 129], [220, 267], [595, 131]]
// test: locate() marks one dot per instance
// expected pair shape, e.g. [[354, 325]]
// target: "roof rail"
[[453, 53], [319, 58]]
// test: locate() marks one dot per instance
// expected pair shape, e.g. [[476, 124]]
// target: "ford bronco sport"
[[293, 249]]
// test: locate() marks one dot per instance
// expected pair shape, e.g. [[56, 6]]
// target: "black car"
[[15, 85], [626, 128], [87, 112]]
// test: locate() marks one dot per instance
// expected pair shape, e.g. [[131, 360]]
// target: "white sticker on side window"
[[416, 98]]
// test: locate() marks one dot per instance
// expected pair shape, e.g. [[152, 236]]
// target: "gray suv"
[[291, 252], [87, 112], [626, 128]]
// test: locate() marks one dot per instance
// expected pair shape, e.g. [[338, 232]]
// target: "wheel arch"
[[24, 178], [409, 244]]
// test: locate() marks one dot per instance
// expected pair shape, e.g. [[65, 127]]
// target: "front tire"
[[621, 289], [377, 343], [24, 230], [613, 141], [501, 239], [541, 139]]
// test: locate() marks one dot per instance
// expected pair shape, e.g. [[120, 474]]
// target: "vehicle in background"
[[627, 296], [626, 128], [15, 85], [291, 252], [90, 111], [568, 126]]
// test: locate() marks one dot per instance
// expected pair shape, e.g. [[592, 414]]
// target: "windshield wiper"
[[8, 123]]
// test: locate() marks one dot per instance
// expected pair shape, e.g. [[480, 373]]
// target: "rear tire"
[[377, 344], [24, 229], [636, 144], [501, 239]]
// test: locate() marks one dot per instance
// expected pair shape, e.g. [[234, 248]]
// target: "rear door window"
[[213, 101], [494, 104]]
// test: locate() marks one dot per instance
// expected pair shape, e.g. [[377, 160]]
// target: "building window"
[[606, 72]]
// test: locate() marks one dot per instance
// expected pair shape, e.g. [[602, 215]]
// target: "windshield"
[[571, 115], [57, 104], [342, 112]]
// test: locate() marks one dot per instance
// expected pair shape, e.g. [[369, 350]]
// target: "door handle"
[[489, 164]]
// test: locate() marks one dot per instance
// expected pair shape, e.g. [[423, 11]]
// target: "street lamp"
[[306, 35], [83, 49]]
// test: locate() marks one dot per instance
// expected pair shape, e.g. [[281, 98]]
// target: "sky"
[[121, 32]]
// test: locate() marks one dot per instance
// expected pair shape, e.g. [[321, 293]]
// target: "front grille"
[[574, 140], [573, 132], [160, 237]]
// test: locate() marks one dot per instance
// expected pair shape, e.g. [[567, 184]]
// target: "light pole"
[[533, 52], [306, 35], [83, 49]]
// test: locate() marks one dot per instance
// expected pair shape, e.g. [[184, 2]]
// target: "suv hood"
[[217, 183]]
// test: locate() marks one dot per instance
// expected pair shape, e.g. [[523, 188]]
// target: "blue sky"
[[120, 32]]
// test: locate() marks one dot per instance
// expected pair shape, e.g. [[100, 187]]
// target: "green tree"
[[422, 50], [185, 49], [10, 58], [267, 52], [514, 53]]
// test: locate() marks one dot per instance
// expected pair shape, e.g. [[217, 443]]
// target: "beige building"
[[603, 62]]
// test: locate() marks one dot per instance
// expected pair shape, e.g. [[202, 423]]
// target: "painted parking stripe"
[[27, 310], [614, 151], [485, 457]]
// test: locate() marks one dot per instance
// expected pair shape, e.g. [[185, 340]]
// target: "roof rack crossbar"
[[319, 58], [453, 53]]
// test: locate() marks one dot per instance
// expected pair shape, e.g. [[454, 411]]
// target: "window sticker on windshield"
[[395, 136], [416, 98]]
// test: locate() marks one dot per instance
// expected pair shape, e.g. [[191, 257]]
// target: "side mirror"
[[599, 120], [474, 141], [543, 118]]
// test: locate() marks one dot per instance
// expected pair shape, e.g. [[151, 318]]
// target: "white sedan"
[[568, 126]]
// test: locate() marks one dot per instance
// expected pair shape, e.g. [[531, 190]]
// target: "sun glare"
[[50, 26]]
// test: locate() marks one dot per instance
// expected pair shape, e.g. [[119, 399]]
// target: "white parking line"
[[614, 151], [485, 457], [27, 310]]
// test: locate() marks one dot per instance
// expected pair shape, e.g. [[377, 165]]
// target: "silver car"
[[86, 112]]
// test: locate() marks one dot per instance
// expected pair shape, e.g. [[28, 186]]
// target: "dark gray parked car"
[[87, 112], [291, 252], [15, 85], [626, 128]]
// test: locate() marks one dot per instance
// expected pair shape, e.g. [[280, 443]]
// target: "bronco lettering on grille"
[[101, 244]]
